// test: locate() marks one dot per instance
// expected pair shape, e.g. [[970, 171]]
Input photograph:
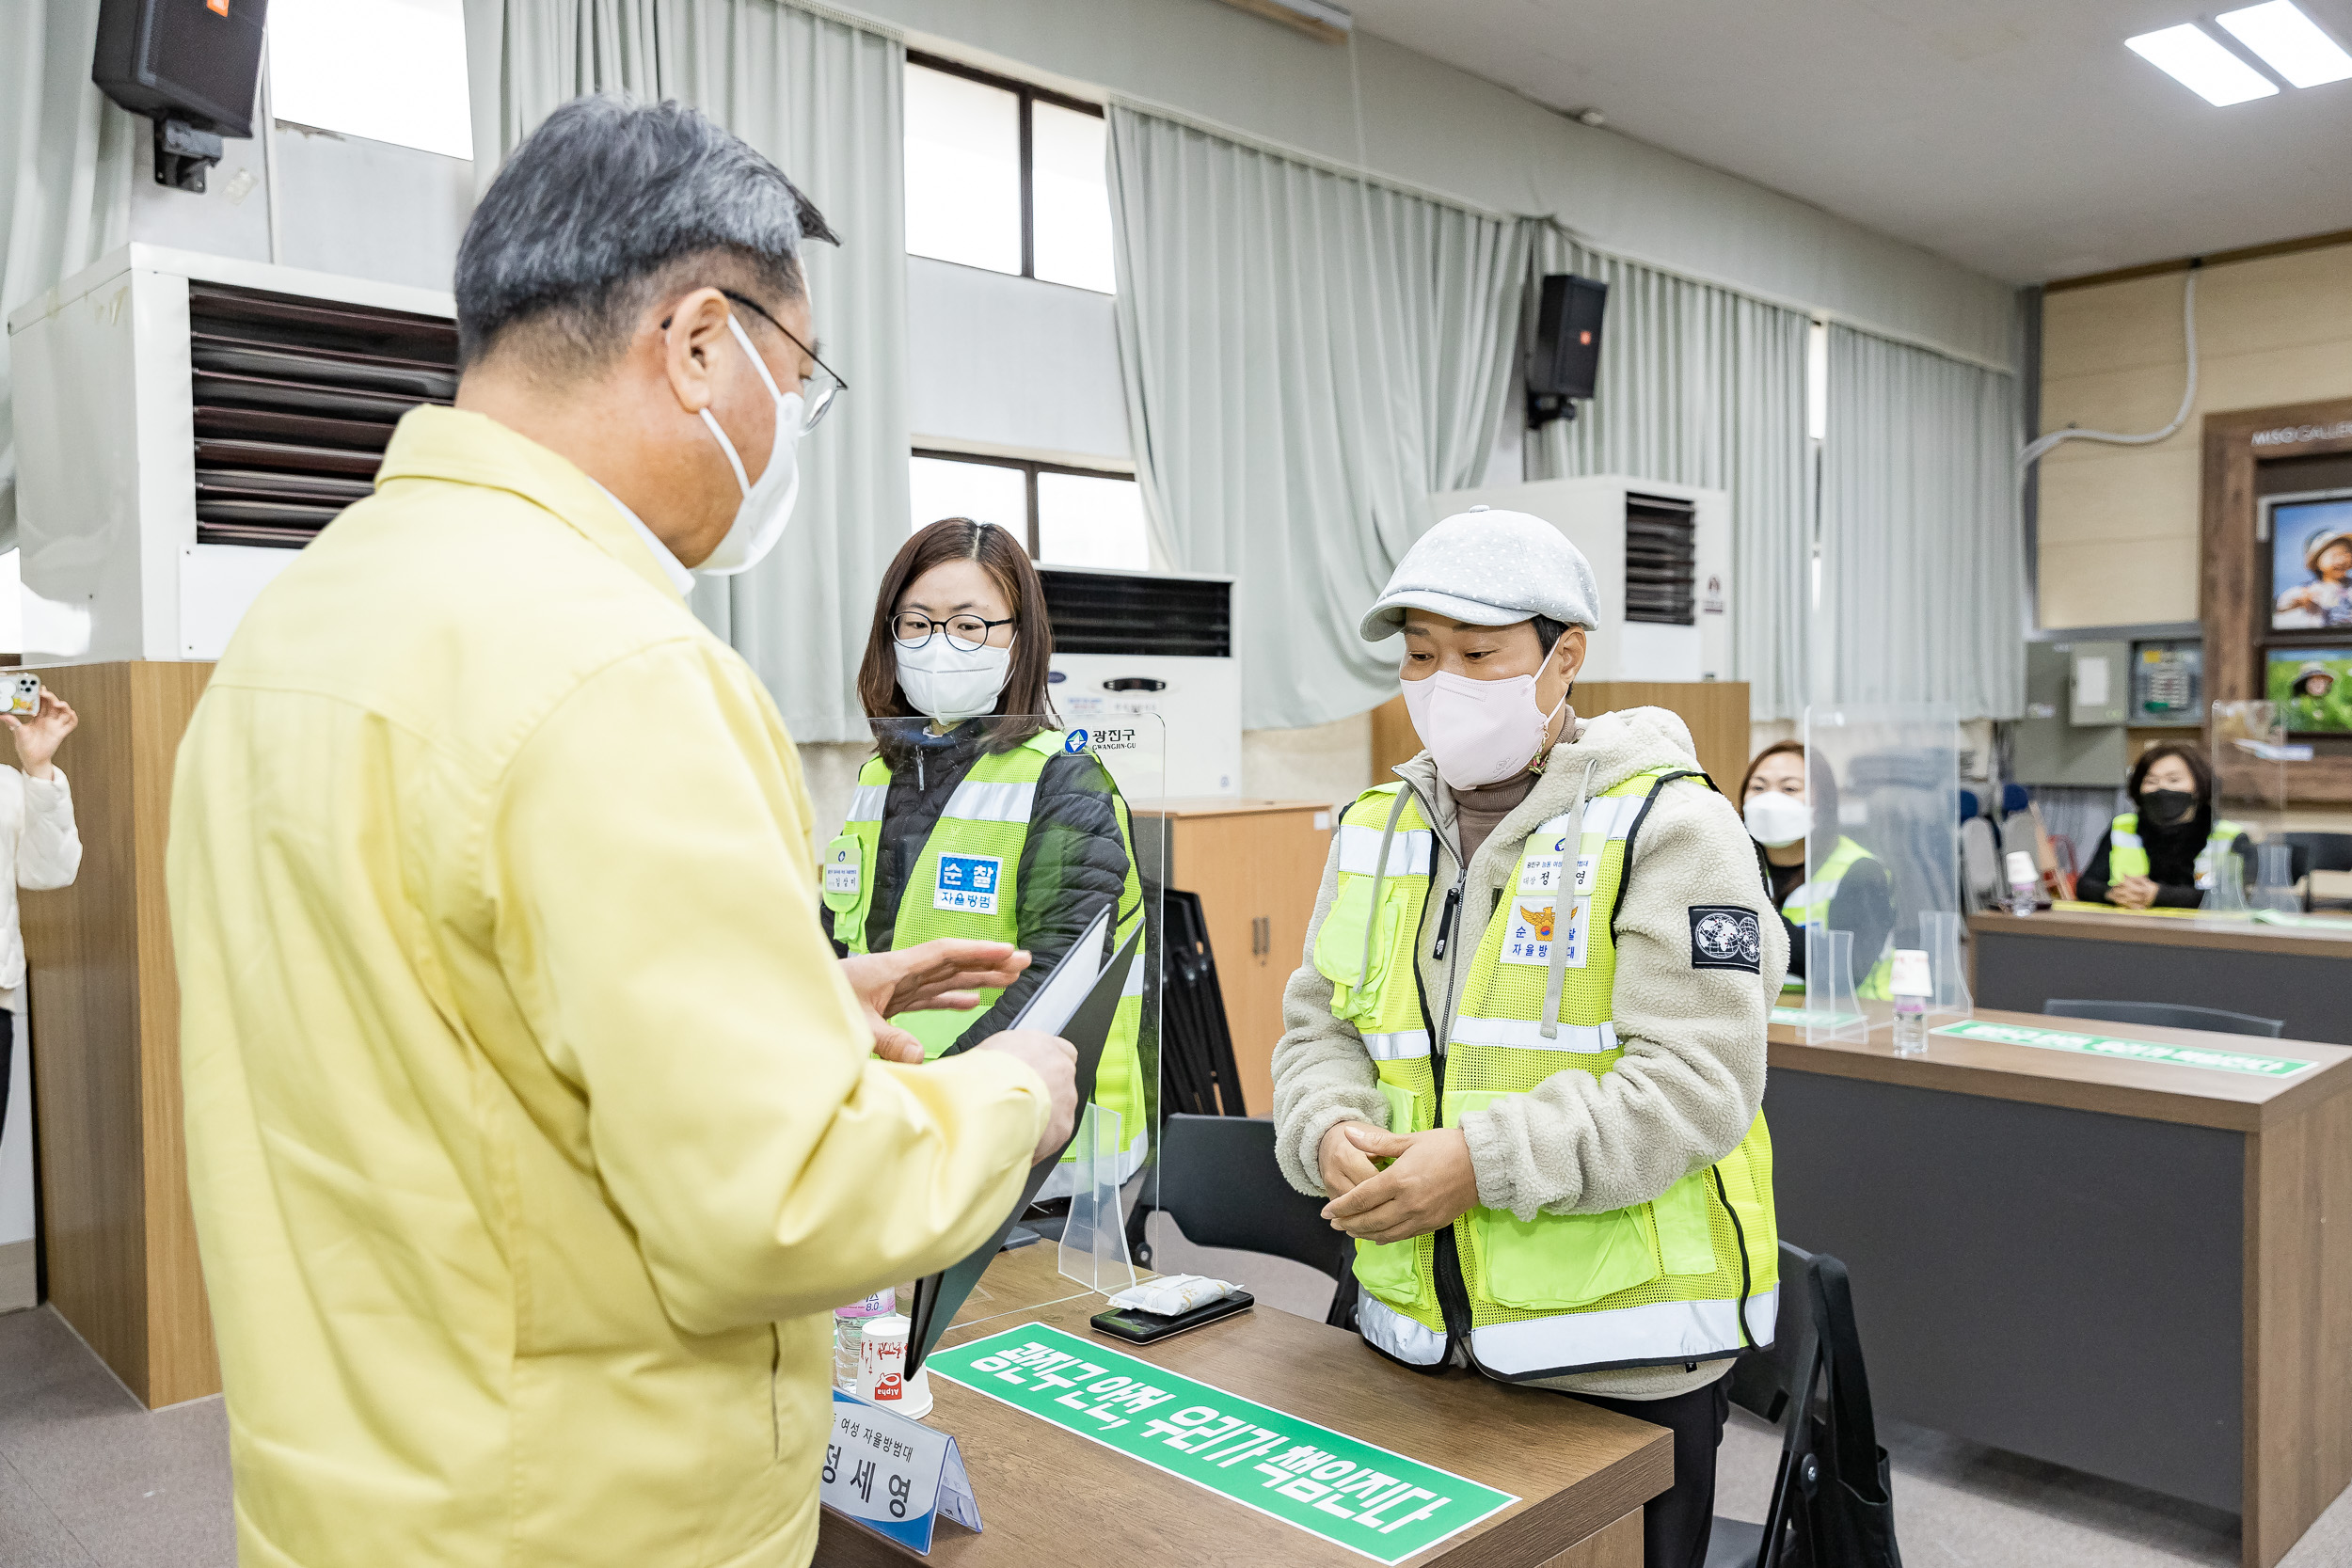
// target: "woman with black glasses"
[[978, 816]]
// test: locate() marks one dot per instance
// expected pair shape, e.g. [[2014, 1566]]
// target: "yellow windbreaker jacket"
[[530, 1126]]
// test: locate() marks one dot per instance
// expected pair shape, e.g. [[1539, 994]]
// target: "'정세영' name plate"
[[895, 1477]]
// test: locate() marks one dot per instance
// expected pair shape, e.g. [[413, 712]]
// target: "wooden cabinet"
[[1717, 712], [1256, 865]]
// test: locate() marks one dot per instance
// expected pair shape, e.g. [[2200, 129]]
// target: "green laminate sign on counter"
[[2127, 1049], [1799, 1018], [1375, 1503]]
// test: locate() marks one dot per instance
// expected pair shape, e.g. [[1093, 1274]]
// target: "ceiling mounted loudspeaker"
[[1314, 18]]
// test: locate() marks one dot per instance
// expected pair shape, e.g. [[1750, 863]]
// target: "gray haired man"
[[533, 1127]]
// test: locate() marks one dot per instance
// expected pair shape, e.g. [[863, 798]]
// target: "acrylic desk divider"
[[1941, 934], [1831, 1011], [1094, 1238]]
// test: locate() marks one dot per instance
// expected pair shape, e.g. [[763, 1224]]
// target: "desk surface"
[[2155, 1091], [1048, 1496], [2331, 938]]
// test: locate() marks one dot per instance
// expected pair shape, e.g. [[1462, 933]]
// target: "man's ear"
[[1571, 653], [690, 344]]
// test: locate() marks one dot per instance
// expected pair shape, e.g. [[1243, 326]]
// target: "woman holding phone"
[[978, 816], [39, 848]]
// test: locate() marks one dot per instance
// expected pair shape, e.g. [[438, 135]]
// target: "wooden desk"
[[1050, 1497], [2302, 974], [2139, 1270]]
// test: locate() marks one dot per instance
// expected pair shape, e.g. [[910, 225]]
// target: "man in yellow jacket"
[[531, 1121]]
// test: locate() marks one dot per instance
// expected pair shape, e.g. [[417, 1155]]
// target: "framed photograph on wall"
[[2311, 561], [2313, 687]]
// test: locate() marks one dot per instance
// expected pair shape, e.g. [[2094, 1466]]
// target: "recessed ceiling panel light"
[[2289, 42], [2198, 62]]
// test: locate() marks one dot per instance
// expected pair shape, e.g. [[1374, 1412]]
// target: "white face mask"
[[949, 684], [1776, 820], [768, 504], [1478, 732]]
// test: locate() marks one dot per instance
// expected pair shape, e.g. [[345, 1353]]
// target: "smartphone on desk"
[[1142, 1328]]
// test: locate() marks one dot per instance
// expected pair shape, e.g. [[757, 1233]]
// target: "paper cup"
[[881, 1362]]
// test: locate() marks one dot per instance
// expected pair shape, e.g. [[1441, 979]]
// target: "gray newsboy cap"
[[1489, 568]]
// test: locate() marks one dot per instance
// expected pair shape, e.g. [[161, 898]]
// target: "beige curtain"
[[820, 96]]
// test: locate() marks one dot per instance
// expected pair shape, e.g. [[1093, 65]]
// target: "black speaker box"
[[1566, 359], [193, 60]]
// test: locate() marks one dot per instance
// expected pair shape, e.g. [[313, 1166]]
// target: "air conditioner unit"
[[1662, 554], [185, 423], [1151, 643]]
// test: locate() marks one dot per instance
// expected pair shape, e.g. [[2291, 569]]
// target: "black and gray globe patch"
[[1726, 936]]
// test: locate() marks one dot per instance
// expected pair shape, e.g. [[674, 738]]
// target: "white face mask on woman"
[[1479, 732], [948, 683], [767, 505], [1776, 820]]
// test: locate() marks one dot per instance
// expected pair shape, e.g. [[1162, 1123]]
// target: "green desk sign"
[[2132, 1051], [1373, 1501], [1800, 1018]]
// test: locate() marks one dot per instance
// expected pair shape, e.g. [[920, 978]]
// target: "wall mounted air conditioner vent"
[[1661, 561], [1138, 613], [294, 401]]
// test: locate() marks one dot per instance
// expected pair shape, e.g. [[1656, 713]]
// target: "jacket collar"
[[465, 448]]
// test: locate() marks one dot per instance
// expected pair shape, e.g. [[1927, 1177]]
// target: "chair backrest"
[[1763, 1380], [2166, 1015], [1980, 860], [1220, 1183], [2323, 851]]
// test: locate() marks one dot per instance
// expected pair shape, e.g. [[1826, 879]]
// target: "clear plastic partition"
[[1882, 861], [1022, 829], [2250, 751]]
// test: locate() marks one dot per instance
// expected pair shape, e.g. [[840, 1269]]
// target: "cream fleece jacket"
[[1692, 1076]]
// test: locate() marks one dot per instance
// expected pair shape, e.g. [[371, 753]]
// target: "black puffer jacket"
[[1073, 863]]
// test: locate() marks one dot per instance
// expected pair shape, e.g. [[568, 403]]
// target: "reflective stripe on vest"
[[2127, 854], [1808, 902], [985, 822], [1654, 1284]]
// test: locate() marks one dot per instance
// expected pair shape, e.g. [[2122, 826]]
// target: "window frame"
[[1030, 95], [1030, 467]]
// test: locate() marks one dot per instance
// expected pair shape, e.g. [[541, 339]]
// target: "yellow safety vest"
[[1808, 902], [1692, 1274], [2127, 856], [967, 883]]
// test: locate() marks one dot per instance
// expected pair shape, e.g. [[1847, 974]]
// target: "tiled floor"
[[90, 1480]]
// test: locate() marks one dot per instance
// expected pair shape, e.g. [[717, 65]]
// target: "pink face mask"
[[1478, 732]]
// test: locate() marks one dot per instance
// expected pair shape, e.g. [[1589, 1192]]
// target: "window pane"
[[390, 70], [943, 488], [1085, 521], [1073, 200], [964, 171]]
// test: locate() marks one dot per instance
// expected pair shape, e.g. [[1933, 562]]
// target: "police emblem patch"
[[1726, 936]]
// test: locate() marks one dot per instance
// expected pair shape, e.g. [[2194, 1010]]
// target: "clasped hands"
[[950, 973], [1427, 1181], [2133, 892]]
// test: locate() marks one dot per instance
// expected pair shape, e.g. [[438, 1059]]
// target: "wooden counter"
[[1049, 1498], [2301, 974], [2136, 1269]]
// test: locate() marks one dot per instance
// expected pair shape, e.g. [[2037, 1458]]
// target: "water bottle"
[[848, 1333], [1912, 986], [2025, 883]]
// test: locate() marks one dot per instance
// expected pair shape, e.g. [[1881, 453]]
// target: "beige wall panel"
[[2106, 585], [2117, 327], [2101, 498]]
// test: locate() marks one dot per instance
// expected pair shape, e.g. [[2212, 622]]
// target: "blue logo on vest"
[[1074, 742], [967, 883]]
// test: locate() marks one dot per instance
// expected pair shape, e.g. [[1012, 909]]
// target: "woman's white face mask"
[[1776, 820], [1479, 732], [767, 504], [950, 685]]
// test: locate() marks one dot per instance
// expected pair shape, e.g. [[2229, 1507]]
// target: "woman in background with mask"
[[2162, 855], [1848, 893], [974, 818]]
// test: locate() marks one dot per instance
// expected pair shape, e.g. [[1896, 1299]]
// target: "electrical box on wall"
[[185, 424], [1662, 555], [2051, 746]]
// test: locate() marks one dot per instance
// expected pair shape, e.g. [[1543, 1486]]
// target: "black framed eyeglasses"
[[966, 634], [817, 398]]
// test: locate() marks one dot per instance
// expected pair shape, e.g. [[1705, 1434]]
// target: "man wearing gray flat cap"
[[1524, 1058]]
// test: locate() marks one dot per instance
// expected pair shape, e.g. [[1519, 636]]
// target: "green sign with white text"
[[1375, 1503], [1799, 1018], [2130, 1050]]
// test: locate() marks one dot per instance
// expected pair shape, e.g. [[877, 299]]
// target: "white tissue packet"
[[1171, 1294]]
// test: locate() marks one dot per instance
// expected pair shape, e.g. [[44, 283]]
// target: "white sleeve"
[[48, 848]]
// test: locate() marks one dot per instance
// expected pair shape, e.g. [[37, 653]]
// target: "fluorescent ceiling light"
[[2198, 62], [2289, 42]]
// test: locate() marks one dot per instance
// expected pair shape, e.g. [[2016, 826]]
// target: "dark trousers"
[[1676, 1524], [7, 1054]]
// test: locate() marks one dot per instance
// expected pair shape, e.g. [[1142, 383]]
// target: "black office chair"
[[1831, 1504], [1216, 1178], [2321, 853], [2166, 1015]]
